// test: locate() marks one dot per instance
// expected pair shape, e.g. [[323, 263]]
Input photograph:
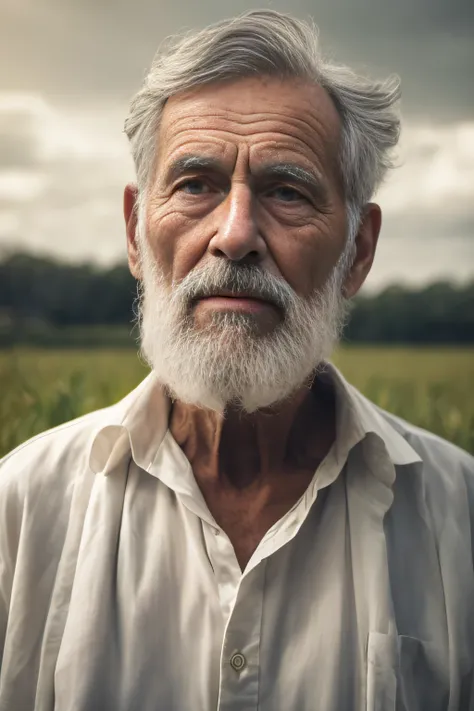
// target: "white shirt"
[[118, 591]]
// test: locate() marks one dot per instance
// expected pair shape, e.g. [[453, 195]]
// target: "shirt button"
[[237, 661]]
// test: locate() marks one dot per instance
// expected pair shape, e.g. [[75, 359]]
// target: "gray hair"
[[268, 43]]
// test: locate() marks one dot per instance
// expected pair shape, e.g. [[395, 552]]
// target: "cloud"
[[435, 173], [99, 51], [406, 254], [20, 126], [63, 194]]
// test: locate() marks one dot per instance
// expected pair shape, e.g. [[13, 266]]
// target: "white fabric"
[[119, 592]]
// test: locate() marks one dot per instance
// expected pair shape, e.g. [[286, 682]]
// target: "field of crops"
[[433, 388]]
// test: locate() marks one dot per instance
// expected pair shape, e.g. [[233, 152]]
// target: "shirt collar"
[[355, 412], [139, 422]]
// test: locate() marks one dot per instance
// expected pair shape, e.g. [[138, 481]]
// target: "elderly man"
[[244, 531]]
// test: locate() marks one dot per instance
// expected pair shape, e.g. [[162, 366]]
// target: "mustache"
[[235, 278]]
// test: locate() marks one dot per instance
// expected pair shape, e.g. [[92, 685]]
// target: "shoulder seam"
[[410, 432]]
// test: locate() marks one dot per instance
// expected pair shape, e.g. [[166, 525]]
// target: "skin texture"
[[230, 183]]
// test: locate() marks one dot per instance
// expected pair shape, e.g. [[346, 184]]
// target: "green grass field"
[[433, 388]]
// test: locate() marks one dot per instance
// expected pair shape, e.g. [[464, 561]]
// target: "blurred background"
[[67, 72]]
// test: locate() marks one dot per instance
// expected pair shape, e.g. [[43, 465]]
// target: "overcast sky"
[[68, 69]]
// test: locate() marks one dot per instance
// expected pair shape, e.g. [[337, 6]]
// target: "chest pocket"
[[405, 674]]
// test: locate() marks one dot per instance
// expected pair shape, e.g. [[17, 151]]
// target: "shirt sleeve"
[[11, 512]]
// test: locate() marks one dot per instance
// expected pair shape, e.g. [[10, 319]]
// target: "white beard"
[[228, 362]]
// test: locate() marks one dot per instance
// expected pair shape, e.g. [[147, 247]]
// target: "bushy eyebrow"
[[188, 163], [295, 175], [288, 172]]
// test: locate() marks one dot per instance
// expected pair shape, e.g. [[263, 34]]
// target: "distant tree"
[[64, 294], [47, 294], [439, 313]]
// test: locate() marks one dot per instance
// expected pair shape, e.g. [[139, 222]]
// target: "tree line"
[[46, 302]]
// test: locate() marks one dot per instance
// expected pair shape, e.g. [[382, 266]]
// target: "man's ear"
[[365, 244], [130, 213]]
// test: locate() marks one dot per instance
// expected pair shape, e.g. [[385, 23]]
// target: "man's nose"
[[237, 236]]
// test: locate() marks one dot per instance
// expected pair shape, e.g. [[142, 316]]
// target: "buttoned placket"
[[241, 597]]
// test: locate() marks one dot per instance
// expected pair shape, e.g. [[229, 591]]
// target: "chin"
[[227, 368], [261, 325]]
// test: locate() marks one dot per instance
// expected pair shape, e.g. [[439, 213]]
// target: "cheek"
[[176, 242], [306, 256], [161, 227]]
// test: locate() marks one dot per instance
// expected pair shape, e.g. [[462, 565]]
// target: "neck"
[[240, 450]]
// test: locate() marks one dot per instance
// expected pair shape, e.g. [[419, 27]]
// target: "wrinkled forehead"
[[259, 115]]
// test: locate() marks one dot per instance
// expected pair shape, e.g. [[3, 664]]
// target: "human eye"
[[286, 193], [194, 186]]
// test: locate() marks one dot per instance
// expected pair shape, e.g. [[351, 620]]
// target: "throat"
[[252, 469], [235, 450]]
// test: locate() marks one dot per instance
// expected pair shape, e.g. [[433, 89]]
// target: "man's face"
[[239, 239], [247, 172]]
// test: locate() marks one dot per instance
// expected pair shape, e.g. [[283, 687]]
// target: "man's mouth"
[[243, 302]]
